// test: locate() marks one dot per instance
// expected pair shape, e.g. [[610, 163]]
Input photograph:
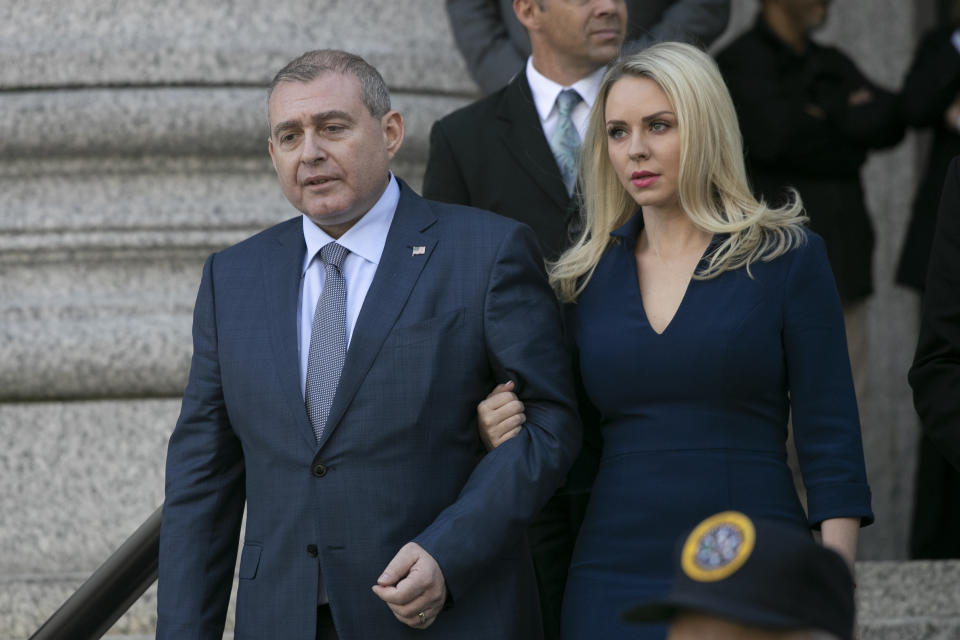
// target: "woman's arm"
[[840, 534]]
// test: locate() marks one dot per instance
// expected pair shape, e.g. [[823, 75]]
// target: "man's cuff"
[[955, 40]]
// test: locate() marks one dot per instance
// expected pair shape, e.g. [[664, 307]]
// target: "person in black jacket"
[[935, 375], [809, 117], [930, 99]]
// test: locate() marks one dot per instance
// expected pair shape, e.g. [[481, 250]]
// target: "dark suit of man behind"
[[493, 155], [935, 375], [458, 300]]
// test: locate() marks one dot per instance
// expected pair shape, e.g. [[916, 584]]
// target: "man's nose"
[[313, 148], [604, 7]]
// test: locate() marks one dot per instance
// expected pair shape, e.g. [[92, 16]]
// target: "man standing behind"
[[808, 118], [495, 45], [935, 374], [514, 152], [338, 359]]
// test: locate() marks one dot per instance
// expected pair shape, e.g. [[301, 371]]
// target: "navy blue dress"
[[694, 420]]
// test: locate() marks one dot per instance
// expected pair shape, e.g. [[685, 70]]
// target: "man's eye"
[[333, 128]]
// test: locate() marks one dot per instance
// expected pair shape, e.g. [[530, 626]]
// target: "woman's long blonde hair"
[[712, 184]]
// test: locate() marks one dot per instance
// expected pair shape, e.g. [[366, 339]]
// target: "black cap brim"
[[736, 611]]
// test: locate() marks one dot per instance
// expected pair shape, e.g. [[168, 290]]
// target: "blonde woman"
[[701, 319]]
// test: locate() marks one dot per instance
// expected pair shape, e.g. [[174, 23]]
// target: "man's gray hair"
[[313, 64]]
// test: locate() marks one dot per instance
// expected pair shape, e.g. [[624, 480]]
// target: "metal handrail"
[[111, 590]]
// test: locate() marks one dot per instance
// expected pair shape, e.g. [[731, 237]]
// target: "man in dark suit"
[[496, 153], [495, 44], [501, 153], [338, 360], [935, 375], [930, 99]]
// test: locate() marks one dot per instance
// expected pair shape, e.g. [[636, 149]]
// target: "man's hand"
[[952, 115], [860, 97], [500, 416], [413, 587]]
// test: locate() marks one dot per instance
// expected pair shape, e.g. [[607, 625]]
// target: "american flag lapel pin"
[[418, 251]]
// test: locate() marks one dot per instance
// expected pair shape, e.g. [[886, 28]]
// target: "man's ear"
[[392, 124], [527, 12]]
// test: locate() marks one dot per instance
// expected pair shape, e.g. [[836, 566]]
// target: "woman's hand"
[[500, 416]]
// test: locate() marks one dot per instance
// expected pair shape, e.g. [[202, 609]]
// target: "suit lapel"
[[523, 137], [410, 243], [282, 268]]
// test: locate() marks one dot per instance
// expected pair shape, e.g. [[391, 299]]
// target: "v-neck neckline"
[[630, 231]]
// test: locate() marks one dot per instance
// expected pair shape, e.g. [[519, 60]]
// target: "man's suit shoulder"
[[458, 215], [279, 233]]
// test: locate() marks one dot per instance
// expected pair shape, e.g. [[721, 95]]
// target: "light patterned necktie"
[[328, 339], [565, 141]]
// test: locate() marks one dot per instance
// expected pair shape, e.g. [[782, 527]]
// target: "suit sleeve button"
[[319, 470], [312, 550]]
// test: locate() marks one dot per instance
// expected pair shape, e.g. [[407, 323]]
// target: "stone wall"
[[133, 143]]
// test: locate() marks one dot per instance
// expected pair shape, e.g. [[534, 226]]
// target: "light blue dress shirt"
[[365, 241]]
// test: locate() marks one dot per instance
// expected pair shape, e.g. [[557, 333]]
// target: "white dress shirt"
[[545, 92], [365, 241]]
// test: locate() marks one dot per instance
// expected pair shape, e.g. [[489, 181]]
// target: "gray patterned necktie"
[[328, 339], [565, 141]]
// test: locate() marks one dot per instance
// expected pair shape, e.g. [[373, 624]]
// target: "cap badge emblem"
[[718, 547]]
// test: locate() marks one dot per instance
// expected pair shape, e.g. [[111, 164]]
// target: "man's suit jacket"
[[929, 87], [935, 375], [495, 45], [459, 302], [492, 154]]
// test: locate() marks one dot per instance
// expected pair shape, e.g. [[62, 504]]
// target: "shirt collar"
[[366, 238], [545, 90]]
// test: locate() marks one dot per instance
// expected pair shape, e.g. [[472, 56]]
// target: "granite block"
[[78, 478], [46, 43], [95, 328], [918, 589], [25, 605], [204, 122]]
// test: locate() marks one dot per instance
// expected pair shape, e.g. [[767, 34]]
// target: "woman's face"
[[643, 142]]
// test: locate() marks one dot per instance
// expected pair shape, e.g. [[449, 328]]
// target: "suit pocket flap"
[[424, 330], [249, 561]]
